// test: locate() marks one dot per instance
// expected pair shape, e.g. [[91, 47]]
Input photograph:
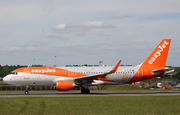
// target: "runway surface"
[[74, 94]]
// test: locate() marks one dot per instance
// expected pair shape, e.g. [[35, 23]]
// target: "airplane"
[[67, 78]]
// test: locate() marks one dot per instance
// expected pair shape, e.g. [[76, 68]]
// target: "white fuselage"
[[121, 76]]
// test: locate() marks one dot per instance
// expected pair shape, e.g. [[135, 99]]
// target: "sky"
[[87, 31]]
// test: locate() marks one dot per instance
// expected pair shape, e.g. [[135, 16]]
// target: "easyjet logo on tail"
[[158, 52]]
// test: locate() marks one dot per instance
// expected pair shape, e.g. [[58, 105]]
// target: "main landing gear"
[[85, 91], [26, 91]]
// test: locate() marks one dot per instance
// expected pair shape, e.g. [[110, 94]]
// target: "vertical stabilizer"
[[159, 55]]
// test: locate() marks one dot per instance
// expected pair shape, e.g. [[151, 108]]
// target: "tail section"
[[154, 65], [159, 55]]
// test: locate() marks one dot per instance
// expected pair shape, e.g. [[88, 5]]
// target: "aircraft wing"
[[100, 75]]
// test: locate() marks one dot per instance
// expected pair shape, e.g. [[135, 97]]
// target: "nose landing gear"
[[26, 91]]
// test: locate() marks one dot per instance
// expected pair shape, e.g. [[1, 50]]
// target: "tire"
[[26, 92], [82, 91], [85, 91]]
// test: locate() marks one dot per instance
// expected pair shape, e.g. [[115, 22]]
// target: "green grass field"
[[106, 105], [121, 87], [2, 83]]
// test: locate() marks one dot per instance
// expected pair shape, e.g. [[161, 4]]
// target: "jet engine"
[[64, 85]]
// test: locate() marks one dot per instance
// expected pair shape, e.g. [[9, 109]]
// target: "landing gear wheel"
[[85, 91], [82, 91], [26, 92]]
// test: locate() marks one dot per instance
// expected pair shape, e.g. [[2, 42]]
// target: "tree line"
[[6, 69]]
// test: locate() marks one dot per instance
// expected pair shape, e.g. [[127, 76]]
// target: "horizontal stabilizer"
[[166, 71]]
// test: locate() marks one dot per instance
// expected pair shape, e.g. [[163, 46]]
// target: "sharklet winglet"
[[116, 67]]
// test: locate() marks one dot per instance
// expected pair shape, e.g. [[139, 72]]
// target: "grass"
[[4, 84], [130, 105], [121, 87]]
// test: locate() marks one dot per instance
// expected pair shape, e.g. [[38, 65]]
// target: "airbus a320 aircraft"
[[66, 78]]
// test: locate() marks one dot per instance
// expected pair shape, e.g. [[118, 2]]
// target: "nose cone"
[[5, 79]]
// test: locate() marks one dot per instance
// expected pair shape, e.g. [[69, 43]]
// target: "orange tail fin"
[[159, 55]]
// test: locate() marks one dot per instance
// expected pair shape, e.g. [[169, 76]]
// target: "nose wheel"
[[26, 92]]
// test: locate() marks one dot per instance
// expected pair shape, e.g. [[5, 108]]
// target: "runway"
[[75, 94]]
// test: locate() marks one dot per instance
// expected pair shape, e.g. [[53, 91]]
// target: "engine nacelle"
[[64, 85]]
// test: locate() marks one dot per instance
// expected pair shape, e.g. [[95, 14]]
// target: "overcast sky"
[[87, 31]]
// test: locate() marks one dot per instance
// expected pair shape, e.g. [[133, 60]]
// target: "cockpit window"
[[14, 73]]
